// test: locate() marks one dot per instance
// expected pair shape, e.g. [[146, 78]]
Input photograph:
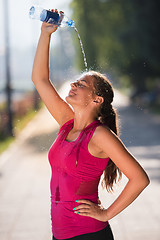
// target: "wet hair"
[[108, 116]]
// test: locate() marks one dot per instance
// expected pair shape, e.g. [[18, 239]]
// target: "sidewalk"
[[140, 134], [24, 182], [25, 178]]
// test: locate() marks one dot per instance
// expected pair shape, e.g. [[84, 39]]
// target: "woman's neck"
[[82, 120]]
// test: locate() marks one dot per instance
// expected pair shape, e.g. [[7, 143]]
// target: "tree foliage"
[[122, 35]]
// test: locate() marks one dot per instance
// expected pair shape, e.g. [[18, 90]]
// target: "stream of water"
[[84, 56]]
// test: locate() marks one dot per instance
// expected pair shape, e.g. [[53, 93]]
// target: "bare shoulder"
[[104, 132], [104, 136]]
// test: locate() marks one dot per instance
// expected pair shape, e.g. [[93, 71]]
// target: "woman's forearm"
[[41, 61], [131, 191]]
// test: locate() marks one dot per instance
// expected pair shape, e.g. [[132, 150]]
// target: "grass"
[[19, 123], [5, 143]]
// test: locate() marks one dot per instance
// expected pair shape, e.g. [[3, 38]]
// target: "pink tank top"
[[75, 175]]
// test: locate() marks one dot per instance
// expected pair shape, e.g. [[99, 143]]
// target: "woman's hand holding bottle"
[[50, 28]]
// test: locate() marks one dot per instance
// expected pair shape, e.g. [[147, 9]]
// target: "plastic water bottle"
[[36, 12]]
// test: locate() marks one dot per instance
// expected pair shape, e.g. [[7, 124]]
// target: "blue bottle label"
[[48, 16]]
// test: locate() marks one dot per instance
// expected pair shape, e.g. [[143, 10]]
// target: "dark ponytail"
[[108, 116]]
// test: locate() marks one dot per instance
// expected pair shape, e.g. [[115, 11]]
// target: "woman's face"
[[82, 92]]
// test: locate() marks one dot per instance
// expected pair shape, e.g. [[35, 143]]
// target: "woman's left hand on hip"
[[90, 209]]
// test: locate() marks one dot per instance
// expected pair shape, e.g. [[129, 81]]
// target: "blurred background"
[[121, 39], [18, 41]]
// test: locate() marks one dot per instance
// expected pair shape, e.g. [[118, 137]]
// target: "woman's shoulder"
[[102, 129], [103, 133], [106, 140]]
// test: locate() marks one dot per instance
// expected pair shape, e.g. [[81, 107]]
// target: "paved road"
[[25, 176], [140, 133]]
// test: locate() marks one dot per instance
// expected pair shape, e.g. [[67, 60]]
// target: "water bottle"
[[44, 15]]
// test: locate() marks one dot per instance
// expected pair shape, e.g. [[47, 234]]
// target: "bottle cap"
[[70, 23]]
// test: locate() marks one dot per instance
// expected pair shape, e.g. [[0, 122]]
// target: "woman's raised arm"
[[58, 108]]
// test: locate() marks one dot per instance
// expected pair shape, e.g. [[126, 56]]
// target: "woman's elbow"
[[33, 76], [141, 181], [145, 181]]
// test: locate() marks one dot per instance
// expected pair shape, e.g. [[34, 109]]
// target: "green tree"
[[121, 36], [83, 18]]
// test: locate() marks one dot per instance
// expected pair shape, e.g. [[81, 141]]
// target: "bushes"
[[20, 108]]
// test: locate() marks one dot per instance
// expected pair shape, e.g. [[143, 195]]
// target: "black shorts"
[[104, 234]]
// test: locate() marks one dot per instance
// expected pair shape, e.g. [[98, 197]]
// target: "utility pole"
[[9, 129]]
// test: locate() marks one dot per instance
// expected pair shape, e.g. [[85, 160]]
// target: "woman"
[[86, 146]]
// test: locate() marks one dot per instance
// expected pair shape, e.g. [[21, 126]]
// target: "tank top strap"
[[86, 136], [90, 131], [65, 128], [86, 133]]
